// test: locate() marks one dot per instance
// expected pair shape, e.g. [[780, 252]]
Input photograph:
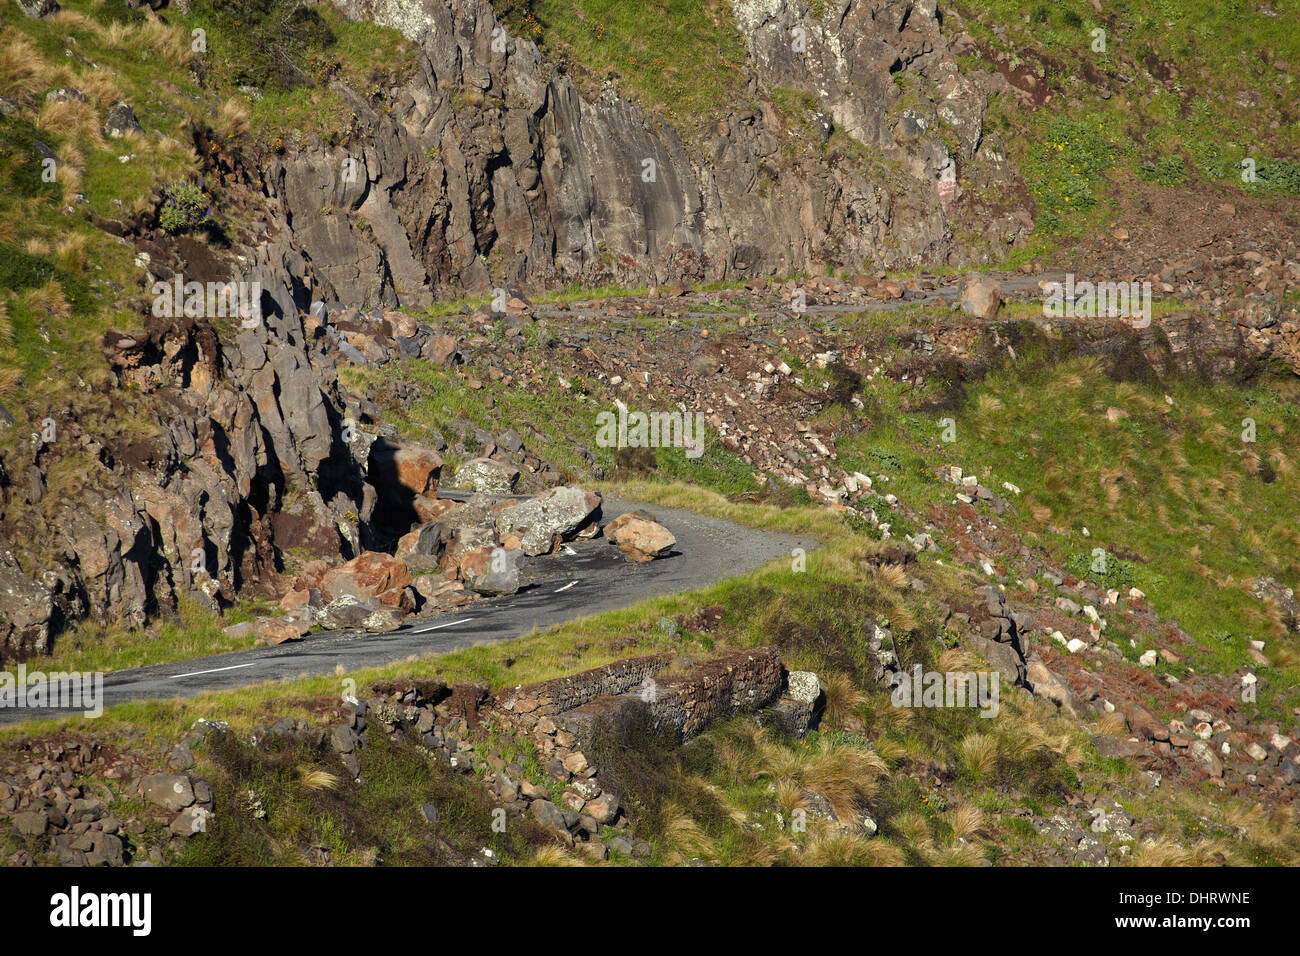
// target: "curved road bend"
[[584, 577]]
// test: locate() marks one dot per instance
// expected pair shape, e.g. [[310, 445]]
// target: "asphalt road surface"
[[584, 577]]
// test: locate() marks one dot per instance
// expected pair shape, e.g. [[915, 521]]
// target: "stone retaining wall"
[[566, 693]]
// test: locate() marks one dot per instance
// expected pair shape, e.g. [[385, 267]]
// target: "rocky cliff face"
[[248, 463], [486, 168], [491, 167]]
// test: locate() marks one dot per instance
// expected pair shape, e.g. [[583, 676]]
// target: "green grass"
[[194, 632], [1178, 68], [270, 813], [1177, 500], [682, 57]]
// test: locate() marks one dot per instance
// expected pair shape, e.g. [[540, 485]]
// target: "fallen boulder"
[[487, 476], [490, 570], [542, 522], [980, 297], [368, 575], [640, 537]]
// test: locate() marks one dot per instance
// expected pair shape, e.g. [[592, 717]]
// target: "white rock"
[[1075, 645], [1148, 659]]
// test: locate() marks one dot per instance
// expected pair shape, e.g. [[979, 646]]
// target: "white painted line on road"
[[232, 667], [440, 626], [566, 587]]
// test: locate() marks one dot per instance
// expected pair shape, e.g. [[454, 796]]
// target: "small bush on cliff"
[[185, 207]]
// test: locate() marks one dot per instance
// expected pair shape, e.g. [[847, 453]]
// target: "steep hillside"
[[462, 235]]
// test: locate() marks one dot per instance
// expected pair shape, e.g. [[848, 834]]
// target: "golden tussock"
[[980, 752], [116, 34], [100, 88], [317, 779], [48, 300], [958, 855], [72, 252], [23, 73], [912, 827], [553, 856], [685, 836], [966, 820], [70, 118], [1112, 481], [9, 378], [232, 119], [842, 697], [958, 660], [846, 849], [167, 42], [1113, 724], [891, 576], [1165, 852]]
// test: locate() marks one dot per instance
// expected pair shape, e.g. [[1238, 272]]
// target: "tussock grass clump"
[[290, 801]]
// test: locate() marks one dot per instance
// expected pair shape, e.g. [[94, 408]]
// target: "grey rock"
[[173, 791], [38, 9], [65, 94], [120, 121], [486, 476], [548, 815], [557, 513], [190, 821], [31, 822]]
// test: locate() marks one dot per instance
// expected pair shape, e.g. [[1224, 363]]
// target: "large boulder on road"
[[640, 537], [554, 516], [490, 571], [368, 575]]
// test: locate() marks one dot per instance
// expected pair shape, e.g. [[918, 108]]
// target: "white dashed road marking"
[[214, 670], [439, 626]]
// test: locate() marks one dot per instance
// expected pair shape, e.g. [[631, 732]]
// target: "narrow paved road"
[[584, 578], [1012, 284]]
